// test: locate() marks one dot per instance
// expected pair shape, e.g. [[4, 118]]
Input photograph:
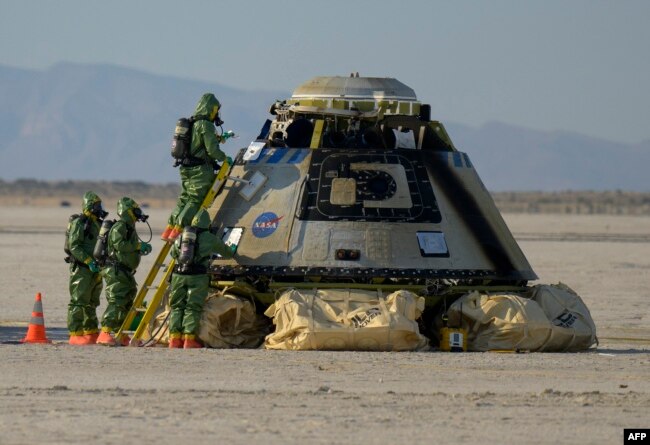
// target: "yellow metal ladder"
[[139, 304]]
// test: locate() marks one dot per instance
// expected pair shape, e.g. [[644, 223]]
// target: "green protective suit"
[[189, 290], [85, 286], [197, 180], [124, 258]]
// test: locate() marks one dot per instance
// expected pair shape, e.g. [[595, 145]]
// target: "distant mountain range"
[[103, 122], [515, 158]]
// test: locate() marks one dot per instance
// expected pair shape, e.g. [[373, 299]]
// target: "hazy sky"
[[553, 65]]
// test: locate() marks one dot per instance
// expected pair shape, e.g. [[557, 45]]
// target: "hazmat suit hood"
[[201, 220], [208, 106], [90, 198], [125, 207], [92, 205]]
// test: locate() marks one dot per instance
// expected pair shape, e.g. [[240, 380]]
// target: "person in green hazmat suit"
[[124, 252], [190, 281], [198, 171], [85, 281]]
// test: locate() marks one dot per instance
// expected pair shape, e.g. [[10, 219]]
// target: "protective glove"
[[145, 248], [229, 160], [227, 135], [94, 267], [233, 248]]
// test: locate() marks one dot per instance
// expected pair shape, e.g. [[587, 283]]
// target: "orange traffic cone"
[[36, 329]]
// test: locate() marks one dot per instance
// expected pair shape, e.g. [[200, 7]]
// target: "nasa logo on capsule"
[[265, 224]]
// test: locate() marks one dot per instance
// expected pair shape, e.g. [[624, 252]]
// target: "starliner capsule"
[[350, 183]]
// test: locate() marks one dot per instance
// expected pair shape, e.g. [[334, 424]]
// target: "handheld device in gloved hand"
[[145, 248], [226, 135], [94, 267]]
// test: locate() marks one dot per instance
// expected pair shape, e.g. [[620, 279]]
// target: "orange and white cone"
[[36, 329]]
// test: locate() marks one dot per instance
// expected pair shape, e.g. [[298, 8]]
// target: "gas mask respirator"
[[217, 120], [98, 210], [139, 216]]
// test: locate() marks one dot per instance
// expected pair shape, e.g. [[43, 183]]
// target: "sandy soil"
[[61, 394]]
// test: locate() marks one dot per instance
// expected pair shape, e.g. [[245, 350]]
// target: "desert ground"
[[63, 394]]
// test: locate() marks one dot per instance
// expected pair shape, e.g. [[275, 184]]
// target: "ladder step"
[[141, 309]]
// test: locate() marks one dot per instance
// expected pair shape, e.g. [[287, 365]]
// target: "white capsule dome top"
[[354, 88]]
